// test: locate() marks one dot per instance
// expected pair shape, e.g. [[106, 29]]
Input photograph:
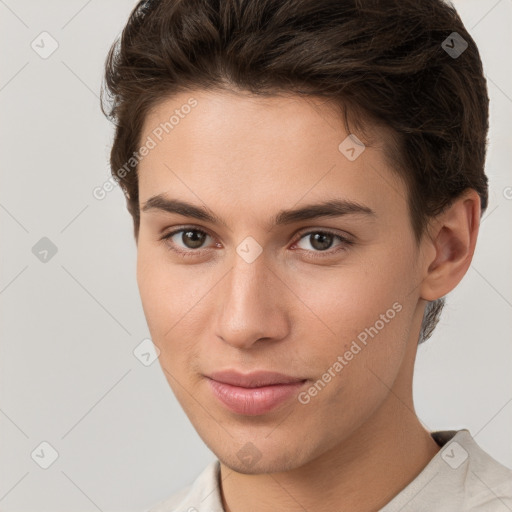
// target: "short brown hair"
[[380, 59]]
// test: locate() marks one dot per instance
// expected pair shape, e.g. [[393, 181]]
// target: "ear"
[[450, 239]]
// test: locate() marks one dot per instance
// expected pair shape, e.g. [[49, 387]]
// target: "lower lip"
[[253, 401]]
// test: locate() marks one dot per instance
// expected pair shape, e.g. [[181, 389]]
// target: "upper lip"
[[253, 379]]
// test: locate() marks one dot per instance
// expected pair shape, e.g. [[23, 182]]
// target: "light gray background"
[[68, 375]]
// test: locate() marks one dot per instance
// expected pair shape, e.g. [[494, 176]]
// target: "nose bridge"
[[249, 304], [247, 294]]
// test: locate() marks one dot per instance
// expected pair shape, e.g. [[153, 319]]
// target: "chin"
[[266, 465], [255, 455]]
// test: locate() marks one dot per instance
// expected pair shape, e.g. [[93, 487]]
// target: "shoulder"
[[202, 494], [171, 503], [461, 476], [488, 483]]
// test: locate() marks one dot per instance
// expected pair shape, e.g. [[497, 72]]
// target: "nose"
[[252, 307]]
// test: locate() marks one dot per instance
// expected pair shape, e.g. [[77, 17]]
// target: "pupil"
[[193, 239], [319, 241]]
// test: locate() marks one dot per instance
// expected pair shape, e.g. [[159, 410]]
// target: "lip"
[[254, 393], [253, 379]]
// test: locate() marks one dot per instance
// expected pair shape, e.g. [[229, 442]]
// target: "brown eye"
[[186, 240], [322, 241], [193, 239]]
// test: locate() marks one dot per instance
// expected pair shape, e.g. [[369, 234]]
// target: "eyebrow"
[[329, 208]]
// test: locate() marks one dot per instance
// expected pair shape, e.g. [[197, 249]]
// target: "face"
[[240, 283]]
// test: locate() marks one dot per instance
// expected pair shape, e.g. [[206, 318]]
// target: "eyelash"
[[315, 254]]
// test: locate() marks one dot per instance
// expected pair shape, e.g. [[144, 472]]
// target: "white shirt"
[[461, 477]]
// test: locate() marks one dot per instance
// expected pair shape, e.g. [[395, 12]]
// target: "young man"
[[306, 180]]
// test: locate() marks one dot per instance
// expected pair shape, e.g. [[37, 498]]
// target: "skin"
[[358, 442]]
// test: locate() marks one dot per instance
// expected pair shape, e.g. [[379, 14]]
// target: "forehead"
[[237, 125], [249, 149]]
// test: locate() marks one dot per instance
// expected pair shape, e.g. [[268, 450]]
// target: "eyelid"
[[345, 238], [180, 229], [308, 231]]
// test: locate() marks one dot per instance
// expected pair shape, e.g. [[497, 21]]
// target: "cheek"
[[157, 288], [362, 314], [171, 300], [359, 362], [363, 325], [344, 302], [164, 287]]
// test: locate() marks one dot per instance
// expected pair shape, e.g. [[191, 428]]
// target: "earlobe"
[[453, 236]]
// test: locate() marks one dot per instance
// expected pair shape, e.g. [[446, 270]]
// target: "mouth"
[[254, 393]]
